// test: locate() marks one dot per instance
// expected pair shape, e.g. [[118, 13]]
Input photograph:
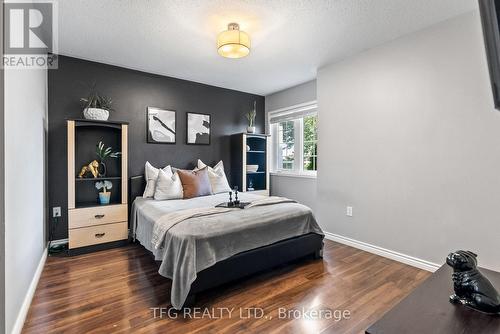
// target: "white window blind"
[[288, 114]]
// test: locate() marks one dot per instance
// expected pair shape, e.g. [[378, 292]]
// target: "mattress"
[[198, 243]]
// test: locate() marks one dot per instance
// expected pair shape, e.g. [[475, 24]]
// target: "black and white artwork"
[[198, 129], [161, 126]]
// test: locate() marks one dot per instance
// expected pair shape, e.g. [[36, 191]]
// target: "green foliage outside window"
[[287, 143], [310, 143]]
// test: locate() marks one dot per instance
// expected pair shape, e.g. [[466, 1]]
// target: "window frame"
[[302, 110], [276, 144], [302, 145]]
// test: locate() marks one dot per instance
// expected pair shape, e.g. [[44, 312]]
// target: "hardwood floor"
[[114, 291]]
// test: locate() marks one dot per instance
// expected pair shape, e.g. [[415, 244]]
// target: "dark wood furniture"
[[490, 15], [250, 149], [248, 262], [427, 310], [89, 223]]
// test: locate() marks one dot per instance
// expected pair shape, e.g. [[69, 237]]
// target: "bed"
[[200, 253]]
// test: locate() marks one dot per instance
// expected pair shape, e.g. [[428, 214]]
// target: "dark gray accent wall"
[[133, 91]]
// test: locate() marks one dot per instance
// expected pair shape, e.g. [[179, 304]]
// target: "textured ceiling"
[[290, 39]]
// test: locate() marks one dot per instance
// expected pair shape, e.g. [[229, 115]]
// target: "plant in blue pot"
[[104, 195]]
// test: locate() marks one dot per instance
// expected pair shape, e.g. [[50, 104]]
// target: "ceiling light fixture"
[[233, 43]]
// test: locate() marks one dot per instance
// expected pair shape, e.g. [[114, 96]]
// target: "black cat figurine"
[[471, 287]]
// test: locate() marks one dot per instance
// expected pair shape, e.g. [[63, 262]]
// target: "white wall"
[[300, 189], [305, 92], [408, 136], [2, 187], [25, 131]]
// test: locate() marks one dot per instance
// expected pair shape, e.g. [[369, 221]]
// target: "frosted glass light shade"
[[233, 43]]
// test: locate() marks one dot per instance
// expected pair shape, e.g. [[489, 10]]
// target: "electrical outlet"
[[56, 211], [348, 211]]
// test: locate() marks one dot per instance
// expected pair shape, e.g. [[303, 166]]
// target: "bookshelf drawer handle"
[[99, 216], [99, 235]]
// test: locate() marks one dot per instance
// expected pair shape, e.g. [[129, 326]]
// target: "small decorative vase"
[[102, 167], [251, 129], [96, 114], [104, 197]]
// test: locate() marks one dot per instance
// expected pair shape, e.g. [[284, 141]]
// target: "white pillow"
[[151, 175], [168, 186], [217, 177]]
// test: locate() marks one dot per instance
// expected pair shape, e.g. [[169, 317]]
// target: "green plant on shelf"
[[251, 115], [96, 100], [103, 154]]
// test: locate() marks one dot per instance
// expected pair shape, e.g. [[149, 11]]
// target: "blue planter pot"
[[104, 198]]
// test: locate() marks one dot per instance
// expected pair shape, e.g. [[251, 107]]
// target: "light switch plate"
[[348, 211]]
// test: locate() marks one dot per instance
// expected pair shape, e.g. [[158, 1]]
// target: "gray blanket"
[[197, 243], [169, 220]]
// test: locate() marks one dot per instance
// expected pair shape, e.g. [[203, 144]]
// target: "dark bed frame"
[[245, 263]]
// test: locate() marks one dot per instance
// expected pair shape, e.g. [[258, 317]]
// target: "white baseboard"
[[390, 254], [23, 312]]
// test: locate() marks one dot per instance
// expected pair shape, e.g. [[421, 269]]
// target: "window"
[[310, 142], [294, 134], [286, 145]]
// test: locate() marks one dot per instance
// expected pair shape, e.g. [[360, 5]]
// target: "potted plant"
[[103, 154], [104, 195], [96, 106], [251, 118]]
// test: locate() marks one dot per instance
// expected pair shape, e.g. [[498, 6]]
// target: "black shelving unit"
[[78, 179], [250, 149], [87, 134]]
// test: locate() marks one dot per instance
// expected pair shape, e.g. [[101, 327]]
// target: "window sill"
[[291, 174]]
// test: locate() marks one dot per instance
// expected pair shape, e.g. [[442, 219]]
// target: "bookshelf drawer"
[[97, 215], [87, 236]]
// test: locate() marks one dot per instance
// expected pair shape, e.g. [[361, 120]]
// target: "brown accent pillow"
[[195, 182]]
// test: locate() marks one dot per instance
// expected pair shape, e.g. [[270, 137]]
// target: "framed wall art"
[[161, 126], [198, 129]]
